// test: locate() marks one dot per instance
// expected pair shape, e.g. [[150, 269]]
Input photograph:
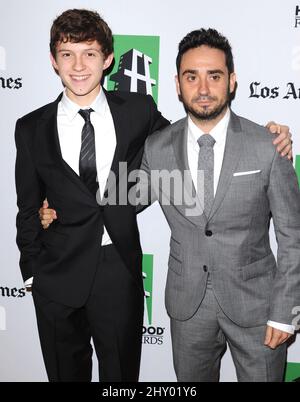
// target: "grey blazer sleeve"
[[146, 195], [284, 198]]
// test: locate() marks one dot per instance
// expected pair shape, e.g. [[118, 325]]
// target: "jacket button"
[[205, 268], [208, 233]]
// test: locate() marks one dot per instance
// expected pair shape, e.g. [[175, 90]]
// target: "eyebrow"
[[190, 71], [217, 71], [85, 50]]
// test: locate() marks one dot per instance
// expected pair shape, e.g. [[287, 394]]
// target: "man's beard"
[[209, 114]]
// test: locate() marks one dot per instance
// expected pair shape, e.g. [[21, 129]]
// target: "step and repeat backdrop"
[[265, 37]]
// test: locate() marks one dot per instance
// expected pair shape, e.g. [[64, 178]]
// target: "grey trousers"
[[200, 342]]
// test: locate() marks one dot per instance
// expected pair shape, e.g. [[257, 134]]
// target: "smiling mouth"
[[79, 77]]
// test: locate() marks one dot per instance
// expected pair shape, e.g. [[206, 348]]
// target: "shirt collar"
[[71, 108], [218, 132]]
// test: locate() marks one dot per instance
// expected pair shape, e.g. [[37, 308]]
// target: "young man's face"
[[80, 67], [204, 84]]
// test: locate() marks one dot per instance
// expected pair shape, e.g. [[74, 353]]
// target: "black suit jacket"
[[63, 258]]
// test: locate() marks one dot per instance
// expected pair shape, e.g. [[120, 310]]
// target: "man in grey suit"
[[224, 285]]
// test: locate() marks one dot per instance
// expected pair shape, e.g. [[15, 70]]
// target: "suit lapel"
[[231, 157], [121, 120], [48, 126], [179, 143]]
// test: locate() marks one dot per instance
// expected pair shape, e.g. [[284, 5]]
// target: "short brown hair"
[[80, 25]]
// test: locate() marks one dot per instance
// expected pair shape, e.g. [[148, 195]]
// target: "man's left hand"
[[275, 337], [283, 139]]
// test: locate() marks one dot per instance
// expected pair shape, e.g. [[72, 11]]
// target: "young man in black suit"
[[86, 269]]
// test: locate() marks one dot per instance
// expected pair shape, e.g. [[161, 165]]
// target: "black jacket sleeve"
[[30, 195]]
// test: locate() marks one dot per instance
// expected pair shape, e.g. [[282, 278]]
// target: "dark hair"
[[81, 26], [208, 37]]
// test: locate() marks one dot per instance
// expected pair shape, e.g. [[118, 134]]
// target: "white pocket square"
[[246, 173]]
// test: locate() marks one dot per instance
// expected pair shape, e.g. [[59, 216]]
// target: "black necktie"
[[87, 160]]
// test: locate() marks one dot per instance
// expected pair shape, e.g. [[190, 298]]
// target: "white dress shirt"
[[219, 133], [70, 124]]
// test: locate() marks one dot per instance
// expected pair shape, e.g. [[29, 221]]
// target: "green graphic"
[[136, 65], [148, 283], [298, 167], [292, 372]]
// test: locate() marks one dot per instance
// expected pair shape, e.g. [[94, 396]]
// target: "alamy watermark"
[[140, 188]]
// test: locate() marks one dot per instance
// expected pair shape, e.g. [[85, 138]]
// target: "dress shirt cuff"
[[282, 327], [29, 282]]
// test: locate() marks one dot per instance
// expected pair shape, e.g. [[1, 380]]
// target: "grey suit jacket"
[[232, 243]]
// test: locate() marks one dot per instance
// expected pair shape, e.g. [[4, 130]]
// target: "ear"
[[232, 82], [53, 62], [108, 61], [177, 85]]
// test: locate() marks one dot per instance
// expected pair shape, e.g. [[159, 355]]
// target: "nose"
[[203, 87], [78, 63]]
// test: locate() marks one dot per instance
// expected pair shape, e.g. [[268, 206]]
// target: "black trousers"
[[112, 317]]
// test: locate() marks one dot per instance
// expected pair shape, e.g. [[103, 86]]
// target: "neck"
[[207, 125], [84, 100]]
